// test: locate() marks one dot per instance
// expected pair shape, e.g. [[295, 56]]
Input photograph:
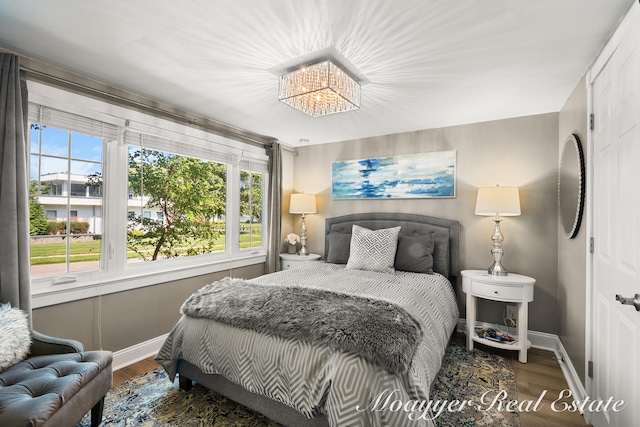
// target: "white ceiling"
[[429, 63]]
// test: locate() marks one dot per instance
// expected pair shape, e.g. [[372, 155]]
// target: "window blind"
[[46, 116], [253, 166], [202, 150]]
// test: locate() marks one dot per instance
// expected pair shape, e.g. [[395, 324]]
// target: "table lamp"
[[498, 202], [302, 203]]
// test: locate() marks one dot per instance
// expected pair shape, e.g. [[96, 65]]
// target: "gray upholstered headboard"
[[446, 234]]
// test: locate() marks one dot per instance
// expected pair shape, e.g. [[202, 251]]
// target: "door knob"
[[635, 301]]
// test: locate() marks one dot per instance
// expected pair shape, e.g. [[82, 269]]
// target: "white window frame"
[[255, 167], [116, 275]]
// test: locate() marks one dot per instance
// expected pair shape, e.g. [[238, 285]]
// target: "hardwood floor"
[[541, 373], [131, 371]]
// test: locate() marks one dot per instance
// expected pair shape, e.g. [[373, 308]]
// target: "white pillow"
[[373, 250], [16, 336]]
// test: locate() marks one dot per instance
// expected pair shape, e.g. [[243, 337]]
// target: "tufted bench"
[[55, 389]]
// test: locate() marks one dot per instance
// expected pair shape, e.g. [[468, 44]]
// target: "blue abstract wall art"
[[422, 175]]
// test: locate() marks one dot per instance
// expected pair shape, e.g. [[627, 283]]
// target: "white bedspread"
[[308, 377]]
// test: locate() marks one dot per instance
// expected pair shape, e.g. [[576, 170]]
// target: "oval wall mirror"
[[571, 186]]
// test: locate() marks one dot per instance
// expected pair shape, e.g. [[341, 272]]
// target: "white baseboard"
[[550, 342], [138, 352]]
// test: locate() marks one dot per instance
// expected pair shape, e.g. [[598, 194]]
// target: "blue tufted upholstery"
[[55, 389]]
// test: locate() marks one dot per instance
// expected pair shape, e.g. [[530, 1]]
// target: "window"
[[62, 162], [79, 189], [251, 205], [180, 204], [107, 196]]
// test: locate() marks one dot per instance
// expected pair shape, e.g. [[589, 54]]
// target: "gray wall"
[[521, 152], [127, 318], [287, 188], [572, 254]]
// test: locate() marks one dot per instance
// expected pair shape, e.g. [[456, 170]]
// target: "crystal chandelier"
[[320, 89]]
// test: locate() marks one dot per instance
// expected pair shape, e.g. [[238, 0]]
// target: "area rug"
[[477, 377], [151, 400]]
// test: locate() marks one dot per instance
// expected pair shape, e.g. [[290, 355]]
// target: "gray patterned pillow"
[[373, 250]]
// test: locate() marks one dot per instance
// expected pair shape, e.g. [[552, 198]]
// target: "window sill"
[[62, 293]]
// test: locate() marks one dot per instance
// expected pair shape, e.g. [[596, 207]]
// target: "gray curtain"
[[15, 284], [274, 243]]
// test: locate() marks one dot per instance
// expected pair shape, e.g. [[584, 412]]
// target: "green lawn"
[[54, 253], [51, 249]]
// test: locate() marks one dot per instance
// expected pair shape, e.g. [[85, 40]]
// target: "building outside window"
[[61, 160]]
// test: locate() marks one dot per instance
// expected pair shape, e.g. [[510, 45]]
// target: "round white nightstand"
[[289, 261], [512, 288]]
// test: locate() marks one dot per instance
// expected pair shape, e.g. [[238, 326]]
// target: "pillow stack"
[[384, 250]]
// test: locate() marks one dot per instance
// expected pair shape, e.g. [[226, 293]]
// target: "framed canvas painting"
[[422, 175]]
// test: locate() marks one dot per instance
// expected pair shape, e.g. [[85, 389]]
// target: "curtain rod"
[[219, 128]]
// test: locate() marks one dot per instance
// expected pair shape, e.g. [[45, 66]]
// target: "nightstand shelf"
[[289, 261], [514, 346], [513, 288]]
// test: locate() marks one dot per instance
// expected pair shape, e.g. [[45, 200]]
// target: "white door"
[[616, 229]]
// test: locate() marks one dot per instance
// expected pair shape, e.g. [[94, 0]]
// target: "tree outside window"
[[178, 205]]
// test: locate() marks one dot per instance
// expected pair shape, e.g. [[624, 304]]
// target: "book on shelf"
[[496, 335]]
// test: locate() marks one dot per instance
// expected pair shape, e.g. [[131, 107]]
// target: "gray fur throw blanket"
[[378, 331]]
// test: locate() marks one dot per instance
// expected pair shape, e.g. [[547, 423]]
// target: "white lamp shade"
[[302, 203], [498, 201]]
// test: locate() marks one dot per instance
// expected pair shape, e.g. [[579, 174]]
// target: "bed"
[[301, 383]]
